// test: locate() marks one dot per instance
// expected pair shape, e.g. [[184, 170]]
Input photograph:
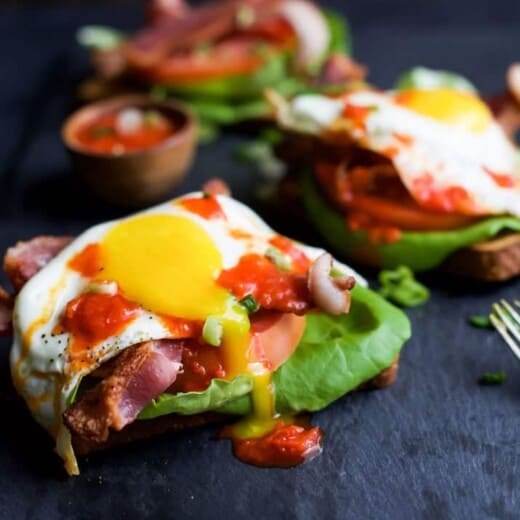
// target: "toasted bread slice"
[[174, 423], [493, 260]]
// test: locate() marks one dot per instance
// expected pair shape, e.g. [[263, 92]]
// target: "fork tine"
[[511, 311], [504, 326], [512, 327]]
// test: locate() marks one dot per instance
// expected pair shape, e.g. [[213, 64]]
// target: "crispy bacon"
[[339, 69], [140, 373], [25, 259], [216, 186], [6, 311], [205, 24]]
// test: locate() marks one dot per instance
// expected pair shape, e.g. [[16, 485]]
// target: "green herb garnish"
[[400, 286], [249, 303], [492, 378], [102, 131], [278, 258], [271, 136], [481, 322], [212, 330], [99, 37], [151, 117]]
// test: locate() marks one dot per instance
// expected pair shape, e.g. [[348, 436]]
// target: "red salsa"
[[206, 206], [271, 287], [285, 446], [128, 130]]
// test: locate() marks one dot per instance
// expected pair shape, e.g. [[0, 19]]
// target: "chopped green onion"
[[492, 378], [481, 322], [212, 330], [202, 49], [151, 117], [99, 37], [159, 92], [102, 131], [249, 303], [400, 286], [278, 258], [245, 17], [271, 136], [426, 79]]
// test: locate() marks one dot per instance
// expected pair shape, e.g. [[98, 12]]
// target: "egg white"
[[451, 155], [44, 375]]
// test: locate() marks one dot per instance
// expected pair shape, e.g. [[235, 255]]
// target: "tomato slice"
[[275, 336], [407, 216], [374, 195], [229, 58]]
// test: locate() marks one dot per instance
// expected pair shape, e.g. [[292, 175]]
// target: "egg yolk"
[[168, 264], [460, 109]]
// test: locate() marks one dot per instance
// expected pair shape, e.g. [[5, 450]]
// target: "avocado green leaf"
[[425, 79], [420, 251], [219, 393]]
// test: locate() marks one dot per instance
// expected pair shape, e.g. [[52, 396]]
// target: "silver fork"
[[506, 321]]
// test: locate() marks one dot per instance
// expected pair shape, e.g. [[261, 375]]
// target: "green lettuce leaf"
[[242, 86], [424, 79], [338, 353], [421, 251], [340, 35], [334, 356], [219, 393]]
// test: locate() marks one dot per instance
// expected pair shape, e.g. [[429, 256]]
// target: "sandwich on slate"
[[190, 312], [220, 56], [426, 175]]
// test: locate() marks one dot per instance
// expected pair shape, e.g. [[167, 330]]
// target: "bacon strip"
[[205, 24], [141, 373], [25, 259], [6, 312]]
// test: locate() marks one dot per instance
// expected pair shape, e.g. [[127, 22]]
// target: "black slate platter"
[[434, 445]]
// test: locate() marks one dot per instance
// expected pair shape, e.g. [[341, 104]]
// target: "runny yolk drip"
[[206, 206], [461, 109], [91, 318]]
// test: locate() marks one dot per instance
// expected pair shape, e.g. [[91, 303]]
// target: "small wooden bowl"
[[137, 178]]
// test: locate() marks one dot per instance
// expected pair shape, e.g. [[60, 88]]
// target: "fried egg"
[[449, 152], [165, 260]]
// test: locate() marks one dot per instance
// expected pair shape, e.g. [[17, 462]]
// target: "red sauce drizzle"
[[450, 200], [356, 113], [300, 261], [501, 179], [285, 446], [88, 261], [272, 288], [206, 206], [101, 135], [201, 364], [92, 318]]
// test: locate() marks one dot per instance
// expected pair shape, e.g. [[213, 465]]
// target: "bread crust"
[[145, 429], [493, 260]]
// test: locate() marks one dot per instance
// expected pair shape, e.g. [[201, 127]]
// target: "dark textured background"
[[435, 445]]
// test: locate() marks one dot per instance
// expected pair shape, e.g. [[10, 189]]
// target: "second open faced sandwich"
[[425, 175], [191, 312]]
